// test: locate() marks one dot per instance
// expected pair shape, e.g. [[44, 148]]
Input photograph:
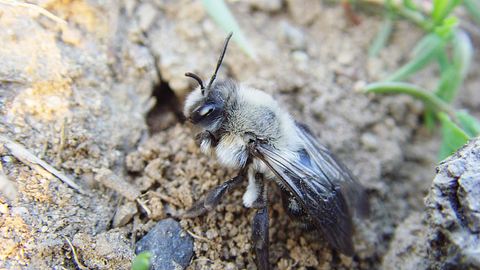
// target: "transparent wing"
[[321, 198], [335, 171]]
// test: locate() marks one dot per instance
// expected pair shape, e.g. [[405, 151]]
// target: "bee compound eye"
[[206, 110]]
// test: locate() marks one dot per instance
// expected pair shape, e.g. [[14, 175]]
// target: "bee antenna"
[[220, 60], [197, 78]]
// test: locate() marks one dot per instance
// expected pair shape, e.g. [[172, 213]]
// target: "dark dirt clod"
[[170, 246]]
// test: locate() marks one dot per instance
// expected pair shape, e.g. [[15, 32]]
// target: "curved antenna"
[[197, 78], [219, 63]]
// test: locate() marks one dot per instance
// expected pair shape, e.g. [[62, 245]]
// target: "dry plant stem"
[[22, 154], [36, 8], [196, 236], [75, 257], [166, 198], [144, 206]]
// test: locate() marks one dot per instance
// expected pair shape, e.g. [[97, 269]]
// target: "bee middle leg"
[[214, 196], [260, 230]]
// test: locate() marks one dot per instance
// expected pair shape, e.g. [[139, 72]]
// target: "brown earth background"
[[95, 92]]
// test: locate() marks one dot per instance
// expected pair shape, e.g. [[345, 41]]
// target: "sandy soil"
[[79, 95]]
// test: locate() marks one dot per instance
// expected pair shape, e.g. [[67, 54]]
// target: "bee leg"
[[260, 232], [261, 199], [206, 135], [214, 196], [206, 141]]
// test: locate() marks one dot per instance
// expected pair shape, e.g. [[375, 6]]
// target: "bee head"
[[205, 105]]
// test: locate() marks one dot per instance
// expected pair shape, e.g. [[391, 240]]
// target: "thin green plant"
[[142, 261], [220, 13], [448, 47]]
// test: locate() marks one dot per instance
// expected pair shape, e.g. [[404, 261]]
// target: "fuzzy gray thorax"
[[247, 118]]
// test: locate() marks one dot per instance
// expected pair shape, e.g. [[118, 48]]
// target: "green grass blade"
[[382, 37], [438, 9], [450, 81], [221, 14], [473, 7], [429, 119], [443, 61], [453, 137], [442, 9], [469, 123], [462, 52], [142, 261], [426, 43], [426, 97], [453, 75], [410, 5], [447, 27], [429, 49], [414, 16]]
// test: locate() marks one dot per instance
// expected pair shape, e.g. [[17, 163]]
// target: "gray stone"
[[469, 197], [453, 211], [447, 235], [171, 247]]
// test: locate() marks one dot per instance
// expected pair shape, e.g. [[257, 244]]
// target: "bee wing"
[[319, 196], [335, 171]]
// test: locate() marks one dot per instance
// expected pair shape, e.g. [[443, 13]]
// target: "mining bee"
[[246, 129]]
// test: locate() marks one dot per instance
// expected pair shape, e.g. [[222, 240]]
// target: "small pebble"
[[369, 140], [71, 36], [305, 12], [300, 56], [293, 36], [345, 58], [3, 208], [124, 214], [267, 5]]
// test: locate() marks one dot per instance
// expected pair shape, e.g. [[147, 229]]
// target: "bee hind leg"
[[260, 232], [213, 197]]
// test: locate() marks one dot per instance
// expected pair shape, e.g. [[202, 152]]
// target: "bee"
[[246, 129]]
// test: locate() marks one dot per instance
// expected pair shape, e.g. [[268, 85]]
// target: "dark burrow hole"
[[167, 110]]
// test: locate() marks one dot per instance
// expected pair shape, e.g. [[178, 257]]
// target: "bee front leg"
[[260, 231], [214, 196], [206, 140]]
